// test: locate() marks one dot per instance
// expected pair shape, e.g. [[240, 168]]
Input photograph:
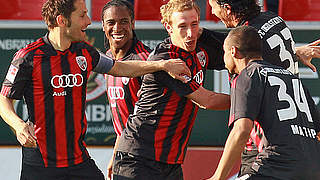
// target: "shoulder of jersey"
[[28, 48]]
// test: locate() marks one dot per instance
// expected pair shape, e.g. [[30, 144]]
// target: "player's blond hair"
[[166, 10]]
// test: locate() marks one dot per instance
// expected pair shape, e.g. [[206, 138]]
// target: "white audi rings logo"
[[116, 93], [69, 80]]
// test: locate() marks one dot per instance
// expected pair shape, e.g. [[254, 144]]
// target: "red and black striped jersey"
[[163, 118], [53, 84], [277, 102], [122, 92]]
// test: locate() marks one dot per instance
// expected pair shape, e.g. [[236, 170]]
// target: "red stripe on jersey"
[[234, 82], [39, 112], [28, 48], [116, 121], [256, 135], [59, 117], [183, 124], [140, 52], [144, 50], [5, 90], [123, 113], [164, 123], [194, 86]]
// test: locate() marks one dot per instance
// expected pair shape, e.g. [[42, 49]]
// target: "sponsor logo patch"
[[12, 72]]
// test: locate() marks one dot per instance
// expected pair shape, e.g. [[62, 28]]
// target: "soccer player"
[[122, 92], [278, 45], [154, 143], [51, 76], [276, 99], [277, 48]]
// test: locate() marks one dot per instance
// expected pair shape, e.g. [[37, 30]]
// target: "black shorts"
[[128, 167], [87, 170]]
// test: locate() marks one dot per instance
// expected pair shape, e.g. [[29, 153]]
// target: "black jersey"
[[122, 92], [276, 99], [53, 84], [161, 125], [278, 46]]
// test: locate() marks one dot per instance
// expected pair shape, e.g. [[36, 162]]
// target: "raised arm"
[[307, 52], [24, 131], [175, 68], [210, 100]]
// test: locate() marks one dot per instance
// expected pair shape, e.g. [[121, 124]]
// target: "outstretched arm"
[[308, 52], [24, 131], [210, 100], [175, 68], [233, 148]]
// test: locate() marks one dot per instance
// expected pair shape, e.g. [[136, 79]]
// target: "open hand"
[[307, 52]]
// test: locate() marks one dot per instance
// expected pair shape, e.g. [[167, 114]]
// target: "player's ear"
[[61, 21], [227, 7], [133, 24], [168, 27], [235, 52]]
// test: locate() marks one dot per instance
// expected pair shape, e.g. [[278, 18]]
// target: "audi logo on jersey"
[[199, 77], [115, 93], [69, 80]]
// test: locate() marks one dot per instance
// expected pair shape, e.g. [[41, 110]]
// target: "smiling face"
[[78, 23], [184, 28], [118, 27]]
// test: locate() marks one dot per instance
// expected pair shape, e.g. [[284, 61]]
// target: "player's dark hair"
[[243, 9], [118, 3], [53, 8], [247, 40]]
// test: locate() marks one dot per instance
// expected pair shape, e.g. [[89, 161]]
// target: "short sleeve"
[[19, 74], [247, 91], [212, 42]]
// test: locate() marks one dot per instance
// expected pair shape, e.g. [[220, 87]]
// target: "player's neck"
[[119, 53], [58, 41]]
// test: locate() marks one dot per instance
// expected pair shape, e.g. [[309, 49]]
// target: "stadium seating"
[[148, 10], [96, 6], [289, 10], [21, 10], [209, 15], [299, 10]]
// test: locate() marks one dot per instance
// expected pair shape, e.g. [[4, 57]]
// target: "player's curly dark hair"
[[118, 3], [52, 8], [242, 8]]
